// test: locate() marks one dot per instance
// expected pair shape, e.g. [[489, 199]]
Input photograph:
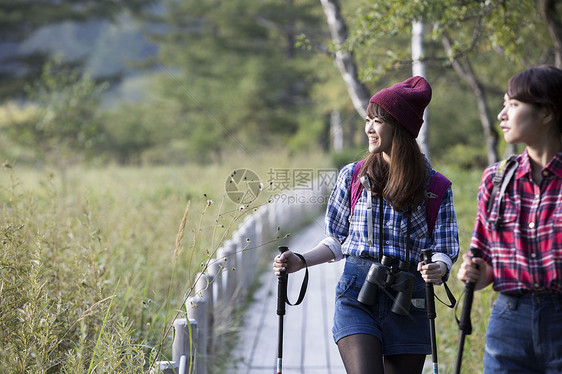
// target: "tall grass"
[[55, 285], [93, 267]]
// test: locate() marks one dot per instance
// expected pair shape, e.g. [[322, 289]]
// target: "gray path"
[[308, 345]]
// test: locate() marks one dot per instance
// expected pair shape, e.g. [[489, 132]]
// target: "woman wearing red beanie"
[[519, 234], [381, 325]]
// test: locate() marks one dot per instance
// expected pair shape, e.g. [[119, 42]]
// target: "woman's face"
[[520, 122], [380, 134]]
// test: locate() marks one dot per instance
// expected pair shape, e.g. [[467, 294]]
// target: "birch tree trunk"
[[336, 131], [344, 60], [418, 68]]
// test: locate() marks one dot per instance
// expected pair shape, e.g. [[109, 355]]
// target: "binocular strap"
[[370, 238]]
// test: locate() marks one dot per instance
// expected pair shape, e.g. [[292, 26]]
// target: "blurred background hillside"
[[168, 82]]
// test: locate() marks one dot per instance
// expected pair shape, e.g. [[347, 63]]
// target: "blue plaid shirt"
[[350, 234]]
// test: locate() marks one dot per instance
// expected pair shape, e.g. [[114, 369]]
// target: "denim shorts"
[[398, 334], [525, 335]]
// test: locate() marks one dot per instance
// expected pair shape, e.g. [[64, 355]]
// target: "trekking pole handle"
[[282, 287], [426, 256], [430, 303], [431, 314], [465, 323]]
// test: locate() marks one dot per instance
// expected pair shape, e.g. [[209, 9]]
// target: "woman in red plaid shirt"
[[520, 238]]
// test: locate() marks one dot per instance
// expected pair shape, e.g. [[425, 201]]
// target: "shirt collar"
[[524, 165], [554, 166]]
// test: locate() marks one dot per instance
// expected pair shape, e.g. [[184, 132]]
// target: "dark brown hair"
[[541, 86], [402, 182]]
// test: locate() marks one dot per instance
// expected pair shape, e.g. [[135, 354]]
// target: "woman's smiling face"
[[380, 134]]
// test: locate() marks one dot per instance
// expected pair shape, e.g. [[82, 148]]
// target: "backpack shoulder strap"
[[356, 186], [438, 185], [497, 180], [504, 173]]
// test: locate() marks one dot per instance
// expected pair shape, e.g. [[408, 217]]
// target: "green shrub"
[[340, 159], [466, 157]]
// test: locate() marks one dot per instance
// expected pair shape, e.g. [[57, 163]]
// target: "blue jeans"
[[398, 334], [525, 335]]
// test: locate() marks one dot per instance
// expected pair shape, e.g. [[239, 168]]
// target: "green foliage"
[[466, 157], [232, 74], [454, 134], [66, 121], [130, 130], [14, 115], [247, 74], [340, 159], [513, 29]]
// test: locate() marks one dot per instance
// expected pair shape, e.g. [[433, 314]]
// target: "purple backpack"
[[438, 185]]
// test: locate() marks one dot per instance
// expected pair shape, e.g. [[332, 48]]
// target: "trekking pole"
[[430, 300], [281, 300], [465, 325]]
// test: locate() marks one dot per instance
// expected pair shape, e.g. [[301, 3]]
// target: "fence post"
[[251, 253], [215, 269], [262, 229], [244, 266], [238, 244], [204, 288], [184, 343], [226, 303], [165, 367], [233, 272], [216, 283], [272, 219], [197, 310]]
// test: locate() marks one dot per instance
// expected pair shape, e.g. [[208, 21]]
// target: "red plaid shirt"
[[526, 248]]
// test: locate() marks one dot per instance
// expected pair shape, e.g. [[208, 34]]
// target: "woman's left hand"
[[433, 272]]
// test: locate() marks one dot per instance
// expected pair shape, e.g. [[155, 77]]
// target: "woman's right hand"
[[475, 270], [286, 262]]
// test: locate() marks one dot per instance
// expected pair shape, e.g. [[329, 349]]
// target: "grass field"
[[94, 265]]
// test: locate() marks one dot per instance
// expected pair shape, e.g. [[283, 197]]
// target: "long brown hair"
[[402, 181]]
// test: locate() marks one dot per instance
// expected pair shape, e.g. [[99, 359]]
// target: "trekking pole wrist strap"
[[304, 282], [450, 296]]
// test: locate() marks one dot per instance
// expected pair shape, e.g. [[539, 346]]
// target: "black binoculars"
[[389, 273]]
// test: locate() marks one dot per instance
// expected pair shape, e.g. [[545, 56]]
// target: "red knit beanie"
[[406, 102]]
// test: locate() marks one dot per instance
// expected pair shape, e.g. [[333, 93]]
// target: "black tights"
[[362, 354]]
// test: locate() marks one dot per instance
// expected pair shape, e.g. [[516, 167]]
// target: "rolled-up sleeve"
[[338, 211]]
